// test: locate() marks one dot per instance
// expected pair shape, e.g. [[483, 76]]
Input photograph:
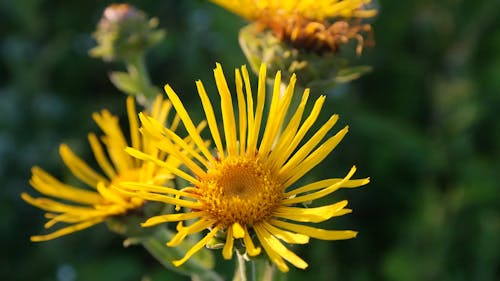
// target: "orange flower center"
[[240, 190]]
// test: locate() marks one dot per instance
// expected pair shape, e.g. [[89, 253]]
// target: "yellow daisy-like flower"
[[312, 24], [81, 208], [247, 189]]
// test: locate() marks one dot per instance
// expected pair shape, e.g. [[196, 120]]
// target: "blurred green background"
[[423, 125]]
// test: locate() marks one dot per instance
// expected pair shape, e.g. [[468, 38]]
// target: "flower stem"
[[240, 274], [136, 68]]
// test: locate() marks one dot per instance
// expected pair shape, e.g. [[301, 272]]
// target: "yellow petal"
[[288, 133], [316, 232], [306, 149], [188, 123], [100, 156], [188, 230], [314, 158], [317, 214], [171, 218], [66, 230], [290, 146], [227, 251], [227, 111], [48, 185], [210, 116], [171, 168], [241, 112], [324, 192], [271, 243], [79, 168], [110, 196], [253, 136], [196, 247], [286, 236], [133, 123], [238, 231], [138, 186], [249, 245]]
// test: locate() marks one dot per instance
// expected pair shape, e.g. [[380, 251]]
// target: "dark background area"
[[423, 126]]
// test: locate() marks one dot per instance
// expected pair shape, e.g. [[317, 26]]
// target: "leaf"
[[125, 83]]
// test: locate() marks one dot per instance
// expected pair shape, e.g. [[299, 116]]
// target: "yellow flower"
[[248, 189], [311, 24], [81, 208]]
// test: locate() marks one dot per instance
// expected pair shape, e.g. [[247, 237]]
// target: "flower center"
[[240, 190]]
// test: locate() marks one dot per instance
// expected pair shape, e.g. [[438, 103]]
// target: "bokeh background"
[[423, 125]]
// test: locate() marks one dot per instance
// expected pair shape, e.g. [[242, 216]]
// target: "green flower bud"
[[124, 33]]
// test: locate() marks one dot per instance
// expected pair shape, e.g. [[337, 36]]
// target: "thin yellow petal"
[[53, 206], [324, 192], [188, 123], [272, 254], [210, 116], [249, 245], [185, 231], [114, 140], [100, 156], [133, 123], [272, 243], [156, 130], [110, 196], [171, 218], [316, 232], [174, 170], [250, 109], [182, 156], [306, 149], [197, 247], [227, 111], [138, 186], [253, 136], [66, 230], [48, 185], [79, 168], [326, 183], [227, 251], [286, 236], [273, 118], [299, 135], [317, 214], [242, 113], [288, 133], [314, 158], [161, 198]]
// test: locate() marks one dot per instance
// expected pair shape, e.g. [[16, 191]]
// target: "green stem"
[[136, 68], [240, 274]]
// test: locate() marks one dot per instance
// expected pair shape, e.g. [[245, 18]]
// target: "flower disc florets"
[[241, 190]]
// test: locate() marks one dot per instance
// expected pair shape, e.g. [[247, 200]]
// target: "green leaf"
[[125, 82]]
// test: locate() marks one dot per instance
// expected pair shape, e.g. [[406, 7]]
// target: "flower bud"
[[124, 32]]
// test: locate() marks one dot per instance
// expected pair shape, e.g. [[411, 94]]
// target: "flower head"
[[311, 24], [247, 190], [81, 208]]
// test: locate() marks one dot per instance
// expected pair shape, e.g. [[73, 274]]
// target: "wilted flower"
[[313, 25]]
